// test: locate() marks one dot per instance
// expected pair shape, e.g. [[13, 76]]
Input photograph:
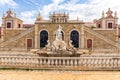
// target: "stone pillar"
[[59, 61], [118, 63], [40, 61], [52, 62], [48, 62], [108, 62], [117, 34], [82, 37], [115, 63], [35, 62], [44, 61], [71, 62], [75, 62], [89, 62], [67, 62], [2, 28], [36, 36], [56, 62], [99, 63], [117, 38], [2, 37], [63, 61], [79, 62]]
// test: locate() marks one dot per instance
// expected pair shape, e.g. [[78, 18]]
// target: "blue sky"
[[85, 10]]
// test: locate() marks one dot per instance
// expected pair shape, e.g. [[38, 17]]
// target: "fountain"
[[58, 48]]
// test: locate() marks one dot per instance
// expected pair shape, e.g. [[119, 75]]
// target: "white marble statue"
[[48, 45], [70, 44], [58, 43]]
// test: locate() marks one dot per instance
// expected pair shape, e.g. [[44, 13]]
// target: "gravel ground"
[[58, 75]]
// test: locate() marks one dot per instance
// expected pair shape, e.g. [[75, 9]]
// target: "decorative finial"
[[39, 17], [115, 14], [103, 15], [14, 14], [109, 13], [9, 12], [3, 14]]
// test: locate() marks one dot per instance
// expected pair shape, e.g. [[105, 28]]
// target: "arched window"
[[74, 36], [89, 43], [110, 25], [8, 24], [43, 38], [99, 26]]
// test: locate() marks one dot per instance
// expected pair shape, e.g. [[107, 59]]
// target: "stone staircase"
[[106, 39], [12, 39]]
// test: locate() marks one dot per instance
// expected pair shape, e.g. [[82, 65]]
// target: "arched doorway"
[[43, 38], [74, 36], [89, 43]]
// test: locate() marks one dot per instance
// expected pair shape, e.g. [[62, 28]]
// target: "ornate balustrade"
[[80, 63], [100, 50]]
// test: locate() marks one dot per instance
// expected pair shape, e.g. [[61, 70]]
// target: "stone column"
[[115, 63], [63, 61], [56, 62], [40, 61], [75, 62], [117, 33], [88, 62], [44, 61], [118, 63], [117, 38], [107, 62], [82, 37], [97, 62], [59, 61], [67, 62], [71, 62], [36, 36], [2, 37], [48, 62], [79, 62], [52, 62]]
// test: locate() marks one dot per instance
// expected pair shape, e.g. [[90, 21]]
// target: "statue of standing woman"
[[58, 43]]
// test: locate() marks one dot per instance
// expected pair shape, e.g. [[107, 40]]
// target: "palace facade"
[[100, 36]]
